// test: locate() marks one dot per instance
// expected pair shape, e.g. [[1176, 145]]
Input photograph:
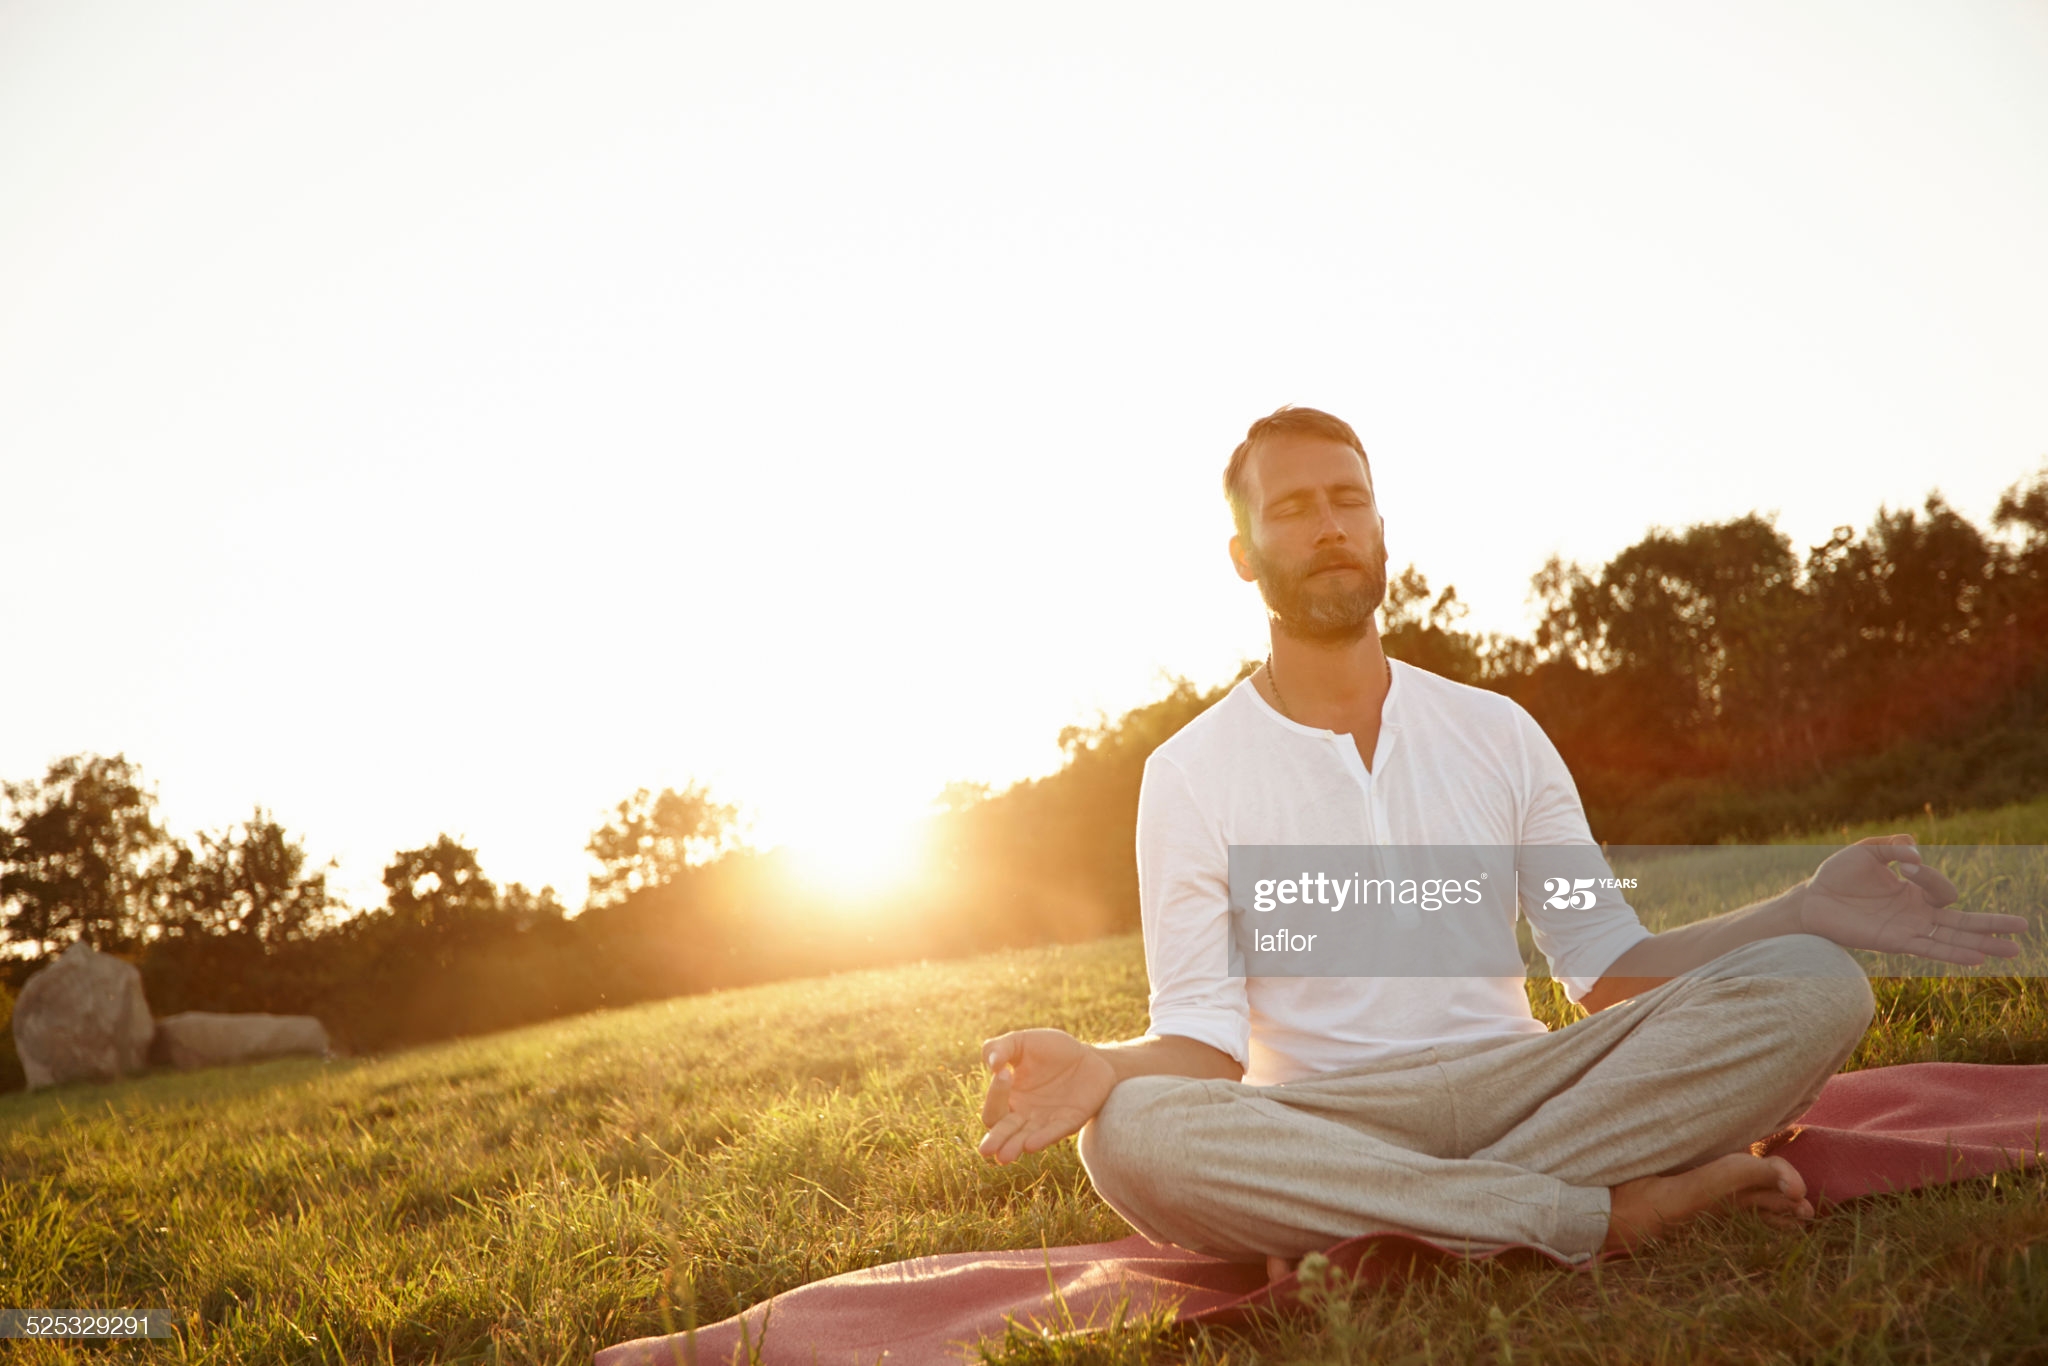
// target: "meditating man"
[[1272, 1115]]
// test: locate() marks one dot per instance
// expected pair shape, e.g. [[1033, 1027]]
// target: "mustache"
[[1332, 560]]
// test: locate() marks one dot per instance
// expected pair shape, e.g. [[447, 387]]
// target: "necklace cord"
[[1287, 711]]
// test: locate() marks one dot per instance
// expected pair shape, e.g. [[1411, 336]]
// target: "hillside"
[[527, 1196]]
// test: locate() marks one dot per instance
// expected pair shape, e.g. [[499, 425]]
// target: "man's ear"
[[1240, 561]]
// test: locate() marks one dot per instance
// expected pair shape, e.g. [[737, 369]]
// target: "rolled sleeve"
[[1580, 942], [1184, 904]]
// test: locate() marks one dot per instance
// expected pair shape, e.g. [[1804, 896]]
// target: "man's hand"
[[1855, 899], [1046, 1085]]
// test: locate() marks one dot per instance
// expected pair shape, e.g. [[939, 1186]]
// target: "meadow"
[[530, 1196]]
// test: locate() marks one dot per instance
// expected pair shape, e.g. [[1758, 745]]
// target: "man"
[[1272, 1116]]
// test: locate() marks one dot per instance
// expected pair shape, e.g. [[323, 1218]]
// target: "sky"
[[453, 417]]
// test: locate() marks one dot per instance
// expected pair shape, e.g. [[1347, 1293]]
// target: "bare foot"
[[1654, 1205]]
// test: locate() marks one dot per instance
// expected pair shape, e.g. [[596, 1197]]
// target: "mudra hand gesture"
[[1045, 1085], [1855, 899]]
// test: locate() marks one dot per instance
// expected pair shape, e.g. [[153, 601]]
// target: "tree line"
[[1707, 683], [238, 919]]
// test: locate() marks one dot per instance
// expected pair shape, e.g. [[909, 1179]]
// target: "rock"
[[200, 1039], [82, 1018]]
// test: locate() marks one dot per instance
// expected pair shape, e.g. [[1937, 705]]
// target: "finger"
[[1045, 1131], [1987, 922], [996, 1103], [1979, 941], [1933, 884], [998, 1138], [999, 1133], [1942, 953], [1002, 1049], [1892, 848]]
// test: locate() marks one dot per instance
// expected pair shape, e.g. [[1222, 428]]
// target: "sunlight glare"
[[853, 860]]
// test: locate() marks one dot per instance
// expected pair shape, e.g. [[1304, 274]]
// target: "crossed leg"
[[1590, 1137]]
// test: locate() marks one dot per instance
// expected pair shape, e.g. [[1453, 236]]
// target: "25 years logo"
[[1576, 893], [1569, 894]]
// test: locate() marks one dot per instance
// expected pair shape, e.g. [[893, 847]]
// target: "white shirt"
[[1455, 765]]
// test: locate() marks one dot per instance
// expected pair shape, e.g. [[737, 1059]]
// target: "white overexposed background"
[[422, 417]]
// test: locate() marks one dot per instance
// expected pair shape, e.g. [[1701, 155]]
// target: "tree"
[[1419, 630], [2022, 512], [655, 838], [81, 854], [1691, 617], [1912, 583], [250, 882], [440, 888], [525, 910]]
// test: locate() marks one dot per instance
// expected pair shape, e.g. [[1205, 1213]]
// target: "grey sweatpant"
[[1489, 1141]]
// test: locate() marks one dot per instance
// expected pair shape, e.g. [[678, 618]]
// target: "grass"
[[530, 1196]]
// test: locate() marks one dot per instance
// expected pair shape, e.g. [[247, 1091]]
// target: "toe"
[[1788, 1178]]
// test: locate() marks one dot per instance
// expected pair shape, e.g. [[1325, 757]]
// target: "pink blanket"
[[1887, 1129]]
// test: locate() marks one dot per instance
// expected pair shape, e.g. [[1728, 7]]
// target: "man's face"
[[1317, 548]]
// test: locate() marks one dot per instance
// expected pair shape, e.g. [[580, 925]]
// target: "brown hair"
[[1284, 419]]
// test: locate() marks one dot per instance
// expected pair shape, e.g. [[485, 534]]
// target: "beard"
[[1331, 612]]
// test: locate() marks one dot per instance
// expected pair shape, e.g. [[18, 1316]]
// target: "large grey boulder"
[[198, 1038], [82, 1018]]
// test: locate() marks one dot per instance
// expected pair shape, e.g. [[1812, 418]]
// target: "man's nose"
[[1328, 526]]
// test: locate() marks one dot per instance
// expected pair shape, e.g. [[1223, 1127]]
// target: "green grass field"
[[530, 1196]]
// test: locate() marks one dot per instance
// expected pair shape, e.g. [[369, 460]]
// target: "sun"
[[855, 859]]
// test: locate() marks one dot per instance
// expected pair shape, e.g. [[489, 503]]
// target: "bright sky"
[[424, 417]]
